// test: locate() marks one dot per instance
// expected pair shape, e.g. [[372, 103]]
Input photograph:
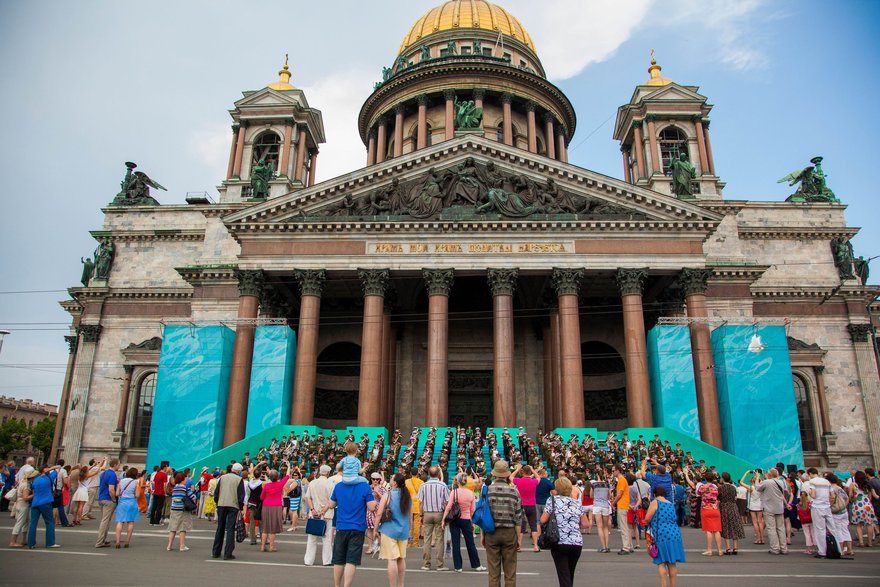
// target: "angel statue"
[[467, 115], [136, 189], [812, 186]]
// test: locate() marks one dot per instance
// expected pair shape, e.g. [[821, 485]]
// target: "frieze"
[[468, 248]]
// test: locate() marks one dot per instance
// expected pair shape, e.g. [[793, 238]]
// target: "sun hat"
[[501, 469]]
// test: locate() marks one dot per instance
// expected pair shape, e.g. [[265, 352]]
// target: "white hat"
[[236, 468], [324, 470]]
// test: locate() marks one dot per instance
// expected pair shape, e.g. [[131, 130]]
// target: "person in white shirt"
[[819, 490], [317, 497]]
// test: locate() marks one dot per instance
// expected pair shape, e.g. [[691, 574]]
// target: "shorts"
[[530, 518], [601, 510], [348, 546], [391, 549]]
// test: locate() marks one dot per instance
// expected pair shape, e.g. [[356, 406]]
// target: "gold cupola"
[[654, 71], [283, 82]]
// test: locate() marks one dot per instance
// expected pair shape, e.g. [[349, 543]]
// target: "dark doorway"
[[470, 398]]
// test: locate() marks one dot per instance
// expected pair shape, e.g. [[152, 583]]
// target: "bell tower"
[[275, 139], [666, 125]]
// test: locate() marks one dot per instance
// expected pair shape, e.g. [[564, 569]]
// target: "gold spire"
[[654, 71], [283, 82]]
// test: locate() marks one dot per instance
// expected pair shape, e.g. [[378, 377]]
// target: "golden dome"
[[654, 71], [283, 82], [467, 14]]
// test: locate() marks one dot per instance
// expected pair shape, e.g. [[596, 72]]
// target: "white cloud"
[[210, 145], [572, 34], [339, 97]]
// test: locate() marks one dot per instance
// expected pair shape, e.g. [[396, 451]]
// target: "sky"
[[89, 85]]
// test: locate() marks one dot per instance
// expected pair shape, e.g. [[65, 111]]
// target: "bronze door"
[[470, 398]]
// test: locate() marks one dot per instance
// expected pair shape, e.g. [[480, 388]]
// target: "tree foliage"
[[42, 434], [14, 435]]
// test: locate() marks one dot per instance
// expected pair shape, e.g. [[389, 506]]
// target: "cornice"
[[795, 232], [223, 210], [736, 273], [172, 234], [145, 293], [215, 274], [801, 293], [72, 307]]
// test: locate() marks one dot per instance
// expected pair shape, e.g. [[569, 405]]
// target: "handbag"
[[549, 537], [839, 501], [11, 494], [240, 530], [644, 502], [387, 514], [653, 549], [483, 515], [189, 504], [316, 526], [454, 510]]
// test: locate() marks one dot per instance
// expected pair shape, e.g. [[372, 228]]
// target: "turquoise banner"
[[271, 389], [756, 400], [673, 389], [189, 411]]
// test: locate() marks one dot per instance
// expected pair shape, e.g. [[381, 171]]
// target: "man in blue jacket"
[[41, 505]]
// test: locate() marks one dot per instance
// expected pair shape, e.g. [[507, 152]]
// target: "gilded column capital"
[[250, 281], [506, 98], [449, 95], [438, 282], [89, 332], [422, 99], [502, 281], [479, 94], [860, 332], [694, 281], [374, 282], [71, 343], [631, 281], [311, 281], [566, 281]]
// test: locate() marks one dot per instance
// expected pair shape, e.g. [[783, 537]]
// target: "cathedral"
[[469, 274]]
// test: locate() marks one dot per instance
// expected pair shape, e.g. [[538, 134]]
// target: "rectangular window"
[[444, 52], [487, 51], [506, 56], [465, 50]]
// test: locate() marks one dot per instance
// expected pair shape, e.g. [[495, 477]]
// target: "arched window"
[[499, 136], [143, 416], [336, 392], [267, 147], [805, 414], [428, 136], [604, 372], [672, 142]]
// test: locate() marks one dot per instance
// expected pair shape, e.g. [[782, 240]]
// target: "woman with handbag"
[[460, 508], [569, 517], [667, 548], [272, 515], [395, 517], [21, 507], [127, 506], [181, 513]]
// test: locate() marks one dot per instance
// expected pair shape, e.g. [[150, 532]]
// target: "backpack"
[[483, 515], [839, 501], [832, 549]]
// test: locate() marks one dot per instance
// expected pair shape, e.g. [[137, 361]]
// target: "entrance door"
[[470, 398]]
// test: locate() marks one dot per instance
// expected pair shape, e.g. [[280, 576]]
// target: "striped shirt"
[[433, 496], [505, 504]]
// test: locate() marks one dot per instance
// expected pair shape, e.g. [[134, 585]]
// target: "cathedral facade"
[[469, 274]]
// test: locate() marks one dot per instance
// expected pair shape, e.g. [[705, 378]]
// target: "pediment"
[[270, 97], [672, 92], [472, 179]]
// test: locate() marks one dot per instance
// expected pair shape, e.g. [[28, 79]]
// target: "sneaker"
[[229, 558], [426, 567], [54, 546], [480, 569], [443, 568], [457, 570]]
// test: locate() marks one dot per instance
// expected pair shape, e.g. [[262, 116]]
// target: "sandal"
[[734, 552], [728, 552], [707, 553]]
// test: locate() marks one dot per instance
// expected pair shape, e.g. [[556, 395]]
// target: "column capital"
[[506, 98], [438, 282], [706, 123], [502, 281], [382, 121], [89, 332], [548, 117], [566, 281], [235, 127], [129, 369], [636, 123], [697, 118], [271, 304], [311, 281], [694, 281], [560, 130], [530, 106], [631, 281], [860, 332], [374, 282], [650, 117], [399, 108], [71, 343], [250, 282], [820, 369], [449, 94], [422, 99], [372, 133], [479, 94]]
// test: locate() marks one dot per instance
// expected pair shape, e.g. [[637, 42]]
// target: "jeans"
[[501, 555], [158, 507], [565, 557], [62, 517], [226, 518], [465, 528], [44, 510]]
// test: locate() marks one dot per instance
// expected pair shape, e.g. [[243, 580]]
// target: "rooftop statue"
[[812, 186], [136, 189], [88, 270], [261, 175], [862, 269], [426, 53], [682, 175], [104, 259], [467, 115]]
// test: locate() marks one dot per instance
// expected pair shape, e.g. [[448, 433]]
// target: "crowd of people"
[[358, 497]]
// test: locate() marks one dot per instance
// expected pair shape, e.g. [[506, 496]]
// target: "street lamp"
[[3, 333]]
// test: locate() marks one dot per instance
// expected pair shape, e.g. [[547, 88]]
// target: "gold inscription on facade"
[[448, 248], [490, 248], [542, 248], [389, 248], [470, 248], [418, 248]]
